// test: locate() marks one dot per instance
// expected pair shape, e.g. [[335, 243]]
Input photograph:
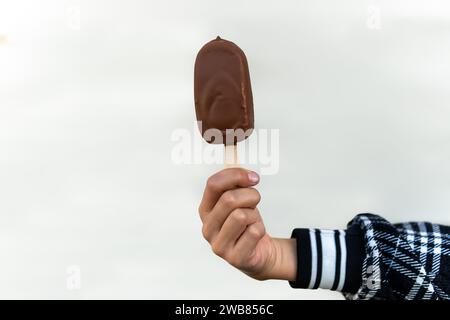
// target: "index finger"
[[222, 181]]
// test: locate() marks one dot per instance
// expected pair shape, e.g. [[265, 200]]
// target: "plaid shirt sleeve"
[[374, 259]]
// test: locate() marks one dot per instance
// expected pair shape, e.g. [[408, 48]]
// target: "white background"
[[90, 92]]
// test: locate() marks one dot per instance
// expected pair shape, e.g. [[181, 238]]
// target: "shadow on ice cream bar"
[[223, 96]]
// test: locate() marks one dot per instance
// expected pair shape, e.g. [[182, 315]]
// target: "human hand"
[[235, 230]]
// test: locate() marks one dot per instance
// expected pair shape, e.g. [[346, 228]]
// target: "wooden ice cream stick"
[[230, 156]]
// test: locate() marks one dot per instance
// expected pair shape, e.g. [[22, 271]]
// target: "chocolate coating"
[[222, 90]]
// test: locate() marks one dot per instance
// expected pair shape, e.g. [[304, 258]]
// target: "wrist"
[[284, 264]]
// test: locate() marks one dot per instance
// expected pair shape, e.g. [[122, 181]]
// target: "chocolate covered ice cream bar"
[[222, 92]]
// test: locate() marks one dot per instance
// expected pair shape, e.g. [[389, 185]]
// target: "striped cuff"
[[329, 259]]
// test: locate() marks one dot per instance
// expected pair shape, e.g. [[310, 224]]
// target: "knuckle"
[[205, 232], [228, 258], [212, 184], [200, 210], [235, 261], [256, 231], [263, 230], [228, 198], [218, 249], [239, 216]]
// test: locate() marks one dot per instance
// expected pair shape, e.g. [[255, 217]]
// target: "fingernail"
[[253, 177]]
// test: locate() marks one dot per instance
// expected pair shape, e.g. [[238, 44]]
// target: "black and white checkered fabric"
[[405, 261], [374, 259]]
